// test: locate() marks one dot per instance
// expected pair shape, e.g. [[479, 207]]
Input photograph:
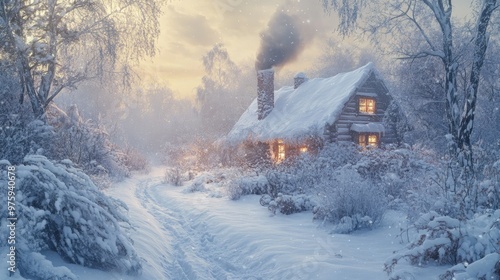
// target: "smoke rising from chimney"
[[282, 41]]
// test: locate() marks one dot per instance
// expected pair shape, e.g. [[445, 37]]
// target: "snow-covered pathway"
[[196, 236]]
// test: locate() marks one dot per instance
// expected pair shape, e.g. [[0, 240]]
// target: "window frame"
[[280, 151], [366, 140], [366, 98]]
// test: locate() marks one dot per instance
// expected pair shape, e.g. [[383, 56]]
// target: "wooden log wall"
[[372, 88]]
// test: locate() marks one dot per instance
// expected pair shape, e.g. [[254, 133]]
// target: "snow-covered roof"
[[369, 127], [303, 111], [368, 94]]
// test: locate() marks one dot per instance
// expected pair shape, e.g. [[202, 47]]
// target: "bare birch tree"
[[56, 44]]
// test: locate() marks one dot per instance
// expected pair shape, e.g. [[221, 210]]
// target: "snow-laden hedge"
[[59, 208]]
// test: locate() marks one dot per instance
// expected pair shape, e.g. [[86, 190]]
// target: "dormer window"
[[367, 105]]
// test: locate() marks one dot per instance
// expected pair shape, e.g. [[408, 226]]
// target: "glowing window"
[[303, 149], [372, 140], [281, 151], [367, 105], [368, 140], [362, 140]]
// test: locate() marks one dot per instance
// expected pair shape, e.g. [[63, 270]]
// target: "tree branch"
[[71, 83]]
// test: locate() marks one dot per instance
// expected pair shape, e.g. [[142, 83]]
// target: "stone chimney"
[[265, 92], [299, 79]]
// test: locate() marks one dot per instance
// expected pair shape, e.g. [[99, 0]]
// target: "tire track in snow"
[[197, 253], [195, 236]]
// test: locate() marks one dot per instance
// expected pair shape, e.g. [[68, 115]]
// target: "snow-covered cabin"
[[346, 107]]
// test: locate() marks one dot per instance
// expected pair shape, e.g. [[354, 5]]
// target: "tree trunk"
[[11, 14], [29, 84], [48, 77], [442, 14], [467, 119]]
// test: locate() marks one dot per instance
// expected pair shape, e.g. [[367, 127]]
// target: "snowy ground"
[[182, 235]]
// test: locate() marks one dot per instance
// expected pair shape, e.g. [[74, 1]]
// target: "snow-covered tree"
[[154, 116], [60, 209], [424, 18], [57, 44], [338, 56], [20, 133], [221, 97]]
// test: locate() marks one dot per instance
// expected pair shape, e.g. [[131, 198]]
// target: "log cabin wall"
[[293, 150], [372, 88]]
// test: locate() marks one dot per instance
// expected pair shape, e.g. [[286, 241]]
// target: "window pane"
[[362, 140], [362, 105], [372, 140], [281, 151], [367, 105]]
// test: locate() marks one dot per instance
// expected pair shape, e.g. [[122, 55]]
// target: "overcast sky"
[[189, 28]]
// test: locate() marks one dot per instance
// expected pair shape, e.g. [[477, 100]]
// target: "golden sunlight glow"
[[190, 28]]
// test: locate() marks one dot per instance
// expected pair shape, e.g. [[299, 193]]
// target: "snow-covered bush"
[[205, 181], [330, 185], [396, 166], [20, 136], [437, 241], [36, 265], [352, 188], [289, 204], [20, 133], [471, 245], [59, 208], [134, 160], [350, 201], [209, 154], [171, 154], [304, 173], [489, 187], [334, 155], [85, 143], [414, 180], [282, 183], [247, 185], [173, 176], [484, 268], [196, 186]]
